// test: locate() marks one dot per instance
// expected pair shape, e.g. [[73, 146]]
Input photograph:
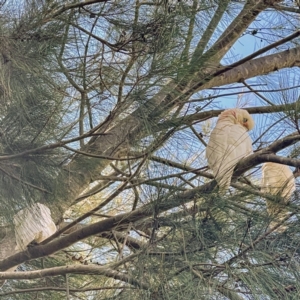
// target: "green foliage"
[[31, 101]]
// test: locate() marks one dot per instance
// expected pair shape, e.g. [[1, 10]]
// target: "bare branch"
[[256, 67], [233, 32], [209, 32], [65, 7], [74, 269], [204, 115], [62, 289]]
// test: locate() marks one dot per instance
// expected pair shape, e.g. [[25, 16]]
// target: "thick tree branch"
[[74, 269], [131, 242], [62, 289], [287, 9], [268, 154], [204, 115], [256, 67], [250, 11], [209, 32]]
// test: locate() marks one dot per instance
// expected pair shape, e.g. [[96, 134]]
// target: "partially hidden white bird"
[[229, 142], [33, 224], [277, 179]]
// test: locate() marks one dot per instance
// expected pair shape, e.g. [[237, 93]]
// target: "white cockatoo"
[[277, 179], [229, 142], [33, 224]]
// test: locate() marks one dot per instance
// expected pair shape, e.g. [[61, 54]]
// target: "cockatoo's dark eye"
[[245, 120]]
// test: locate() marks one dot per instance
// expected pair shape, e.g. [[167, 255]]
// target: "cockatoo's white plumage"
[[229, 142], [277, 179], [33, 224]]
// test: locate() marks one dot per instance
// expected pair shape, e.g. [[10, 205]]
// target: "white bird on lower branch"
[[277, 179], [33, 224], [229, 142]]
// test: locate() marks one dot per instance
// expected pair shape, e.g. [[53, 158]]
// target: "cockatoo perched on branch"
[[229, 142], [277, 179], [33, 224]]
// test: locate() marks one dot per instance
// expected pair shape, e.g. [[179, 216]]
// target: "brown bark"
[[74, 269]]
